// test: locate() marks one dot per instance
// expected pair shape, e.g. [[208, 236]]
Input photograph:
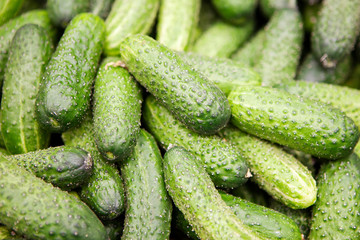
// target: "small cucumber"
[[104, 192], [38, 210], [189, 96], [116, 110], [64, 94], [176, 23], [101, 7], [148, 206], [226, 167], [302, 124], [64, 167], [193, 192], [128, 18], [336, 212], [234, 11], [269, 7], [29, 52], [8, 9]]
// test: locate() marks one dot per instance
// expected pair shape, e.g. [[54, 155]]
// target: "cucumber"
[[101, 7], [177, 22], [29, 52], [128, 18], [222, 39], [104, 192], [224, 73], [268, 7], [8, 9], [180, 223], [193, 192], [190, 97], [116, 110], [62, 11], [309, 14], [336, 212], [335, 31], [39, 211], [226, 167], [64, 167], [251, 192], [64, 94], [302, 124], [114, 228], [236, 12], [148, 206], [7, 234], [280, 174]]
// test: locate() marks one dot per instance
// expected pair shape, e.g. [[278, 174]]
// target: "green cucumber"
[[62, 166], [269, 7], [193, 192], [148, 206], [8, 9], [280, 174], [336, 212], [189, 96], [224, 73], [302, 124], [64, 94], [116, 110], [38, 210], [222, 39], [29, 52], [128, 18], [104, 192], [176, 23], [251, 192], [101, 7], [236, 12], [226, 167], [335, 31]]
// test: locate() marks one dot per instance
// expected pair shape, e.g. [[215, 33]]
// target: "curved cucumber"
[[191, 98], [148, 206], [40, 211], [193, 192], [64, 94], [302, 124], [64, 167], [226, 167], [116, 110], [8, 9], [29, 53], [235, 11]]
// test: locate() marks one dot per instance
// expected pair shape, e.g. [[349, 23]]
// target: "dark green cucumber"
[[268, 7], [62, 11], [64, 94], [222, 39], [224, 73], [38, 210], [64, 167], [114, 228], [29, 52], [251, 192], [226, 167], [116, 110], [236, 12], [148, 206], [8, 9], [193, 192], [176, 23], [104, 192], [302, 124], [188, 95], [336, 212], [101, 7], [280, 174], [335, 31], [128, 18]]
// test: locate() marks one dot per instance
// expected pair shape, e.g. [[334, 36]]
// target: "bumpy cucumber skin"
[[278, 173], [62, 11], [302, 124], [128, 18], [39, 211], [8, 30], [8, 9], [65, 90], [336, 212], [224, 73], [235, 11], [222, 39], [101, 7], [29, 52], [148, 206], [104, 192], [335, 31], [116, 110], [193, 192], [226, 167], [64, 167], [268, 7], [177, 21]]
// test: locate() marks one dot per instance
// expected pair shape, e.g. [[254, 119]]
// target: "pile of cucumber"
[[193, 119]]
